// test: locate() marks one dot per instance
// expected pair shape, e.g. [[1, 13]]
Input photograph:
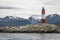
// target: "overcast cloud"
[[28, 7]]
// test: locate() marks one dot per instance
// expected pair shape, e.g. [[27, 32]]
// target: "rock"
[[41, 28]]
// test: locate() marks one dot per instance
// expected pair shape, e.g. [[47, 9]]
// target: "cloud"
[[6, 7], [50, 3]]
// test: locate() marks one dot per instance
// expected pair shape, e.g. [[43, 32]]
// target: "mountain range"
[[16, 21], [53, 19]]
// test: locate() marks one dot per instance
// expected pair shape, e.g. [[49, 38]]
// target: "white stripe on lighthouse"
[[43, 16]]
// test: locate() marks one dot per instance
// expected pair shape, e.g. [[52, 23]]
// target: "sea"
[[29, 36]]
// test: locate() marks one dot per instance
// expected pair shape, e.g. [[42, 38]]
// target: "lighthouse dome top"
[[43, 8]]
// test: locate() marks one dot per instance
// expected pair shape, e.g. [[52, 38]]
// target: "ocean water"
[[29, 36]]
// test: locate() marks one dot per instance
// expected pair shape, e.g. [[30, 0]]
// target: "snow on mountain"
[[34, 21], [13, 21], [53, 18], [53, 15], [16, 21]]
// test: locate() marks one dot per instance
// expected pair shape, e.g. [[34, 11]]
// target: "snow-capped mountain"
[[34, 21], [53, 19], [16, 21], [13, 21], [11, 17]]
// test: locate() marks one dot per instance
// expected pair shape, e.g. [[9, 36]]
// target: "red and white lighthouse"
[[43, 20]]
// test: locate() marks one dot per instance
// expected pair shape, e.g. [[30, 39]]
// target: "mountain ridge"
[[16, 21]]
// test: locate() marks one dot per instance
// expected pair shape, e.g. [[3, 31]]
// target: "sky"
[[26, 8]]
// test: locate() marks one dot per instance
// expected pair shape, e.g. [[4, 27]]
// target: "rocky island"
[[36, 28]]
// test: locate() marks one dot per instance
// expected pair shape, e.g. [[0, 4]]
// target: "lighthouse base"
[[43, 21]]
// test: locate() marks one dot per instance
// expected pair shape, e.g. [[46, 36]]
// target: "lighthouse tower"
[[43, 20]]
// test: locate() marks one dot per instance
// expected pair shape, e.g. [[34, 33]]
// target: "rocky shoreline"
[[38, 28]]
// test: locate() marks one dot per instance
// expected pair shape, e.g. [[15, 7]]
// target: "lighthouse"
[[43, 20]]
